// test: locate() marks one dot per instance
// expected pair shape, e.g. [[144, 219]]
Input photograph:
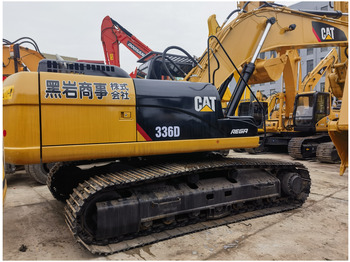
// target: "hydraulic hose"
[[182, 50]]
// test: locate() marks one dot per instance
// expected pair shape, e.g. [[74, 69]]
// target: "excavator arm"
[[325, 65], [17, 58], [292, 30], [113, 34]]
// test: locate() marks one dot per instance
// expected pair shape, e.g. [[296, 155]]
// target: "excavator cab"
[[310, 108], [255, 110], [152, 66]]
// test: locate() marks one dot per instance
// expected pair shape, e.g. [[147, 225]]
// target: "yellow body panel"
[[21, 137], [63, 124], [86, 117], [118, 150], [95, 127]]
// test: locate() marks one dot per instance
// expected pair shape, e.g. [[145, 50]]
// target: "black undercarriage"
[[132, 203]]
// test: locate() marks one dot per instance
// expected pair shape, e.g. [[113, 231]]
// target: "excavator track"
[[327, 153], [156, 237], [98, 192], [305, 147]]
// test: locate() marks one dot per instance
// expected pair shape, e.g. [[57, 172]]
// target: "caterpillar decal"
[[204, 104], [325, 32]]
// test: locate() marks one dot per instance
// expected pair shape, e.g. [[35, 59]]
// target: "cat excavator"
[[305, 139], [165, 176], [285, 107], [313, 110], [323, 112]]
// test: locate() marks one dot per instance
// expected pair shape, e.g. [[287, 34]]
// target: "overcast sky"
[[74, 28]]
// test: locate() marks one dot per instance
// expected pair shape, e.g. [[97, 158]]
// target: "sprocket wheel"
[[62, 179]]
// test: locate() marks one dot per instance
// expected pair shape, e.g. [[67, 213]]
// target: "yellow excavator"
[[310, 139], [280, 126], [322, 110], [313, 110], [279, 105], [305, 139], [162, 138], [324, 67]]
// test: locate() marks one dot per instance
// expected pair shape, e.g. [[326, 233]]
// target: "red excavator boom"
[[112, 34]]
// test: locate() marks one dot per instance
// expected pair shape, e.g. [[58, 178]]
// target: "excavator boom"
[[312, 78], [293, 29], [17, 58], [228, 54], [113, 34]]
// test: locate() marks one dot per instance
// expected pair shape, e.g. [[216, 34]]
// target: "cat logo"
[[204, 104], [327, 33], [320, 72]]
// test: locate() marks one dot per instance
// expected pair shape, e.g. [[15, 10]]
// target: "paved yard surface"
[[317, 231]]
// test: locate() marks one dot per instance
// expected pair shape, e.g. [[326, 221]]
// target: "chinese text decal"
[[84, 89]]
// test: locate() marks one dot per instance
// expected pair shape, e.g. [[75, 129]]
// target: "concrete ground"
[[317, 231]]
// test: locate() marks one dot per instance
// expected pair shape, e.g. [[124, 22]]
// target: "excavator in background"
[[275, 123], [324, 113], [162, 138], [113, 34], [311, 115], [323, 68], [282, 129], [152, 65], [17, 58], [256, 108]]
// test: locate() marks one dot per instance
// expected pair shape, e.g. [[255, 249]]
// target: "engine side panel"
[[181, 111], [21, 123], [52, 117], [87, 109]]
